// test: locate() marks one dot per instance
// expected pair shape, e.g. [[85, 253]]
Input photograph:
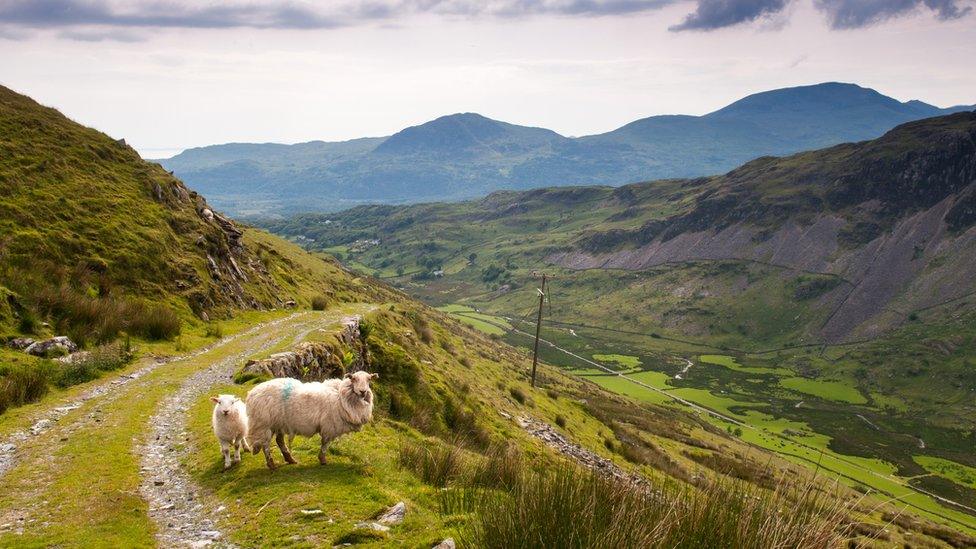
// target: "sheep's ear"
[[215, 399], [374, 376]]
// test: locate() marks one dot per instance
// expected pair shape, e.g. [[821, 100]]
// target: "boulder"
[[20, 343], [56, 346], [393, 515], [446, 544]]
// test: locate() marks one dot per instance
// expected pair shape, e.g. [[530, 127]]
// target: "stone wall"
[[314, 360]]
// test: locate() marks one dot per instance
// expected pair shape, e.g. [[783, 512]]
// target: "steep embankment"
[[90, 231]]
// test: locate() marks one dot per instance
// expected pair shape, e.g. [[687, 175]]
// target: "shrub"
[[155, 322], [567, 506], [561, 421], [90, 366], [518, 394], [319, 303], [552, 393], [24, 383], [435, 463]]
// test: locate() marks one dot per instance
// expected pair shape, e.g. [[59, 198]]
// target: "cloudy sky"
[[171, 74]]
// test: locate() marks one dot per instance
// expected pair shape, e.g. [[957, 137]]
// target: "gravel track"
[[103, 392], [175, 502]]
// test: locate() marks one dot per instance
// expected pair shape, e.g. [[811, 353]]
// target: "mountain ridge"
[[464, 155]]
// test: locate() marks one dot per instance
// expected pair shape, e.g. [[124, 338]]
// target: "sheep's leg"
[[267, 457], [324, 448], [237, 449], [225, 451], [245, 443], [280, 440]]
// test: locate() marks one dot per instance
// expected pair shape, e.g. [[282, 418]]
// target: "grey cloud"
[[78, 18], [68, 13], [289, 15], [851, 14], [716, 14], [841, 14]]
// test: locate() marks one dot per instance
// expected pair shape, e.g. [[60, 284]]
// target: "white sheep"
[[286, 406], [230, 426]]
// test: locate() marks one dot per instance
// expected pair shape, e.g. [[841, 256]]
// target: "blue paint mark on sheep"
[[286, 390]]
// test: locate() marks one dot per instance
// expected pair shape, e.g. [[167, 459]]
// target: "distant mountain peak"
[[467, 132]]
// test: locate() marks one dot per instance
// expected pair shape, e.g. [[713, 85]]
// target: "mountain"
[[828, 294], [467, 155]]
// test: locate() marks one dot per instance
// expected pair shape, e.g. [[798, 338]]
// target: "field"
[[787, 424]]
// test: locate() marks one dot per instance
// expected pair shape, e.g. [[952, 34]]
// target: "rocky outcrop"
[[314, 360], [56, 346], [602, 466]]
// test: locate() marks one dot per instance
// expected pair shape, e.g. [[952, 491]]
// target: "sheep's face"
[[225, 404], [359, 382]]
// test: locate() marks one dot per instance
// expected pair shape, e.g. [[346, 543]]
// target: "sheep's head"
[[224, 404], [359, 383]]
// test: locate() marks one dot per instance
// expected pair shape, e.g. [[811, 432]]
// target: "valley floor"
[[579, 351]]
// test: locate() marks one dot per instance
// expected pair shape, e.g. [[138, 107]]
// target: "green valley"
[[825, 308]]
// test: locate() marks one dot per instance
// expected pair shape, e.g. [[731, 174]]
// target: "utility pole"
[[538, 327]]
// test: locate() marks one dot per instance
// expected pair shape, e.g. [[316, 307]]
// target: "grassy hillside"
[[834, 287]]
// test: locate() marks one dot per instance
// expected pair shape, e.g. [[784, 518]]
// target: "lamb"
[[286, 406], [230, 425]]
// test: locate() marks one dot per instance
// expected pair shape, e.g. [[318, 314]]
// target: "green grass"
[[626, 361], [956, 472], [838, 391], [489, 324], [732, 364]]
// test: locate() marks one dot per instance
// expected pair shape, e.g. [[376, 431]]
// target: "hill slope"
[[466, 155], [85, 220]]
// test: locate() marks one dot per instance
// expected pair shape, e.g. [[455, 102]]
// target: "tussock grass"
[[436, 463], [511, 504], [105, 358], [97, 319], [23, 383], [566, 506], [319, 303]]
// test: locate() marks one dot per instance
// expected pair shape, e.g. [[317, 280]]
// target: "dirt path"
[[175, 504], [102, 391], [74, 476]]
